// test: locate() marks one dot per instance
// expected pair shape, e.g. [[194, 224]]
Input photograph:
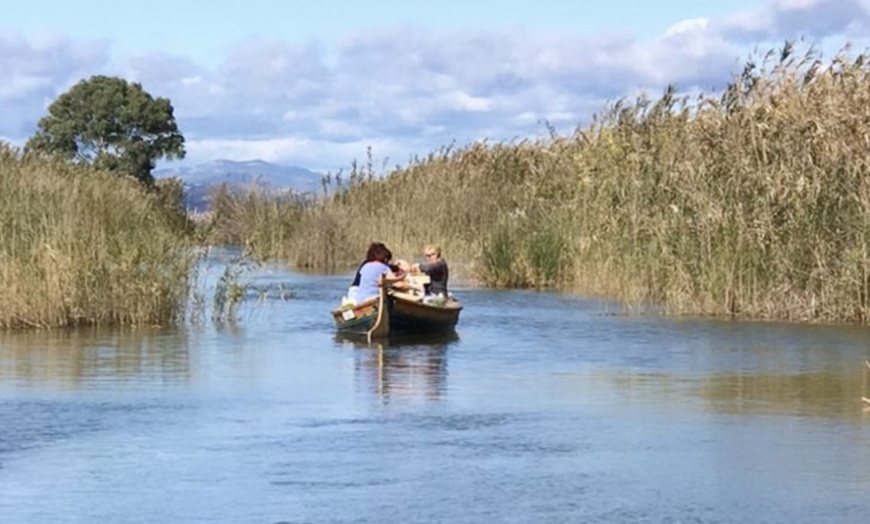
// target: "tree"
[[111, 124]]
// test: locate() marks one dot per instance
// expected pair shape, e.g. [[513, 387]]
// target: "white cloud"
[[18, 84], [461, 101], [688, 26], [35, 71], [406, 92], [788, 19]]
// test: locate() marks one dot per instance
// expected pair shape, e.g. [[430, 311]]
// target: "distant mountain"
[[200, 179]]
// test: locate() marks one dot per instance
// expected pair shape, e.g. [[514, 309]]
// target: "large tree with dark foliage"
[[112, 124]]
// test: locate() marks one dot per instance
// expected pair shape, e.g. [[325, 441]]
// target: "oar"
[[382, 323], [864, 385]]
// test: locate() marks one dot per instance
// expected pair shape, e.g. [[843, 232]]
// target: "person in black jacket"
[[436, 268]]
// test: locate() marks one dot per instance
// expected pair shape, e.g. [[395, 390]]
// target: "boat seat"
[[420, 280], [407, 296], [357, 305]]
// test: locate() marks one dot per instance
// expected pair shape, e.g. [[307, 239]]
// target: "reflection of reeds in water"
[[69, 358], [827, 393], [820, 393]]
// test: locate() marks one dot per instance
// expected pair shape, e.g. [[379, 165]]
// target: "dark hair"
[[370, 253], [375, 251], [381, 254]]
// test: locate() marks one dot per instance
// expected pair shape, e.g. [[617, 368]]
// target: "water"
[[542, 408]]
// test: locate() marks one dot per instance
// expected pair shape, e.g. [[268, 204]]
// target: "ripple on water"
[[540, 408]]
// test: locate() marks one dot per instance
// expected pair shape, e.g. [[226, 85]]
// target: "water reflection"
[[818, 393], [822, 393], [402, 367], [546, 412], [70, 358]]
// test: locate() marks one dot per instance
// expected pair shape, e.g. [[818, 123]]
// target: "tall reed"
[[260, 220], [752, 202], [80, 246]]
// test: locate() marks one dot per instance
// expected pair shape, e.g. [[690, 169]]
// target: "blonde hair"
[[434, 248]]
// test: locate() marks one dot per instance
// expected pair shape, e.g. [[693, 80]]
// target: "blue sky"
[[316, 83]]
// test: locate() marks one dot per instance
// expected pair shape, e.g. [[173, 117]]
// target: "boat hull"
[[406, 314], [358, 319], [415, 316]]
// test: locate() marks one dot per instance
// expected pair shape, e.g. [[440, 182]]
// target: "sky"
[[316, 84]]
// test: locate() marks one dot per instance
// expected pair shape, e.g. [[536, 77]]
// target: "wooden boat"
[[398, 312]]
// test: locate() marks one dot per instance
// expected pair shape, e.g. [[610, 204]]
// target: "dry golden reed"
[[259, 220], [84, 247], [749, 202]]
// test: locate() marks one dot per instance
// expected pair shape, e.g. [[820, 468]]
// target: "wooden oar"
[[382, 323], [864, 385]]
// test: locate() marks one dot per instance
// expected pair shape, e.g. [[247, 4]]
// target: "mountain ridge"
[[200, 179]]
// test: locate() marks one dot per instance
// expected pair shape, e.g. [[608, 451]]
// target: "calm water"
[[543, 408]]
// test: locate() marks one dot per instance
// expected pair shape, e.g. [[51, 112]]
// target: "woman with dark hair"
[[370, 256], [375, 273]]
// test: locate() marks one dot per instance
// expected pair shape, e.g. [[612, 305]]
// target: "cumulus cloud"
[[406, 91], [35, 71], [786, 19]]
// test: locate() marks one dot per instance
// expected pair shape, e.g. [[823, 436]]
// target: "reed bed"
[[84, 247], [750, 202], [256, 218]]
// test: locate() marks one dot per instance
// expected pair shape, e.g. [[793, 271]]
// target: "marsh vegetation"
[[748, 202], [83, 246]]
